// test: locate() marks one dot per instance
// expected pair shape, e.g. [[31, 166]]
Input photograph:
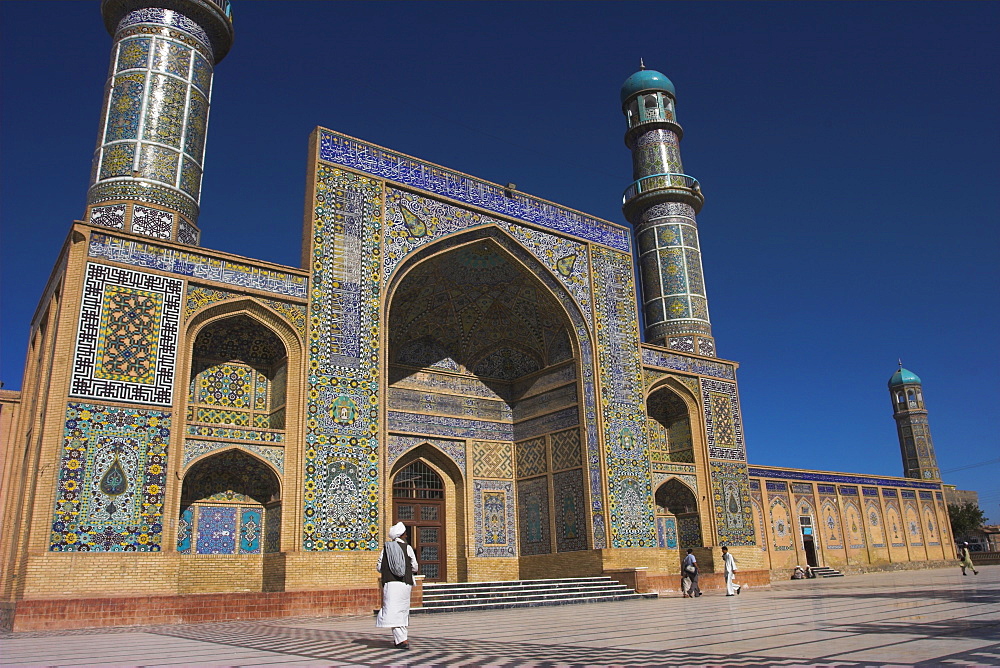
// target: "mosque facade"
[[452, 353]]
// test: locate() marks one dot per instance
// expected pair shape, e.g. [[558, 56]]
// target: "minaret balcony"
[[668, 186]]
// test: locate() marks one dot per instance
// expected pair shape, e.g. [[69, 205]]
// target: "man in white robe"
[[732, 589], [397, 563]]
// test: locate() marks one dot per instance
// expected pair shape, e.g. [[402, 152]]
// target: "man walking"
[[966, 561], [689, 576], [397, 564], [732, 589]]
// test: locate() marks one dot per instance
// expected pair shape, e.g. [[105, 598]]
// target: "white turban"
[[396, 530]]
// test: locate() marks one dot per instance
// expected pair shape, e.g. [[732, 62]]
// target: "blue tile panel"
[[341, 482], [723, 422], [273, 454], [675, 361], [623, 401], [356, 154], [397, 445], [838, 478], [493, 514], [112, 478], [195, 265], [731, 501]]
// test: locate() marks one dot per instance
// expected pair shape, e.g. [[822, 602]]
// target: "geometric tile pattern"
[[566, 451], [216, 530], [622, 402], [150, 256], [341, 485], [666, 532], [112, 216], [493, 514], [875, 525], [722, 420], [492, 459], [781, 523], [112, 476], [830, 518], [531, 457], [199, 296], [731, 495], [127, 338], [387, 164]]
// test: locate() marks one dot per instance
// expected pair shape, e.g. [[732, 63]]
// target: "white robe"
[[395, 609], [730, 563]]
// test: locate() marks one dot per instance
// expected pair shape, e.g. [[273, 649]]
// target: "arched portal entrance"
[[483, 362], [418, 501], [669, 427]]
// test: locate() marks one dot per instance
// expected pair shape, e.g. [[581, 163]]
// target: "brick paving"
[[932, 617]]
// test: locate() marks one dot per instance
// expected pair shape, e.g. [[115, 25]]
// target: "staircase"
[[826, 572], [452, 597]]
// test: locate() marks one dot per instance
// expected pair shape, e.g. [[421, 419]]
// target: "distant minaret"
[[661, 204], [147, 169], [915, 445]]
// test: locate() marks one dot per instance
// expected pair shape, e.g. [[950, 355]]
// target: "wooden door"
[[418, 502]]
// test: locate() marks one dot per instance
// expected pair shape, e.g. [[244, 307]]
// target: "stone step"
[[827, 572], [530, 602], [456, 596]]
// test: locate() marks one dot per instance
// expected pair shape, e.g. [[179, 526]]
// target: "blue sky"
[[848, 153]]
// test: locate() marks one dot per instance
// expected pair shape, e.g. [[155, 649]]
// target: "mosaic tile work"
[[622, 402], [185, 527], [251, 525], [216, 530], [689, 531], [533, 516], [875, 525], [342, 450], [199, 296], [353, 153], [837, 478], [492, 459], [723, 423], [412, 221], [397, 446], [195, 265], [273, 454], [127, 339], [689, 479], [112, 216], [112, 475], [666, 532], [781, 522], [830, 518], [894, 525], [493, 513], [439, 425], [675, 361], [235, 433], [731, 499], [570, 511], [272, 528], [155, 101], [757, 503]]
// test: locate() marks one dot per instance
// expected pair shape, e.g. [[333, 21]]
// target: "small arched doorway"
[[677, 505], [418, 501]]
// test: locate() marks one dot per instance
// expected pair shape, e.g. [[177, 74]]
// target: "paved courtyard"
[[934, 617]]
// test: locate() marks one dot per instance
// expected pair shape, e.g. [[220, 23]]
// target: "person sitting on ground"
[[798, 573]]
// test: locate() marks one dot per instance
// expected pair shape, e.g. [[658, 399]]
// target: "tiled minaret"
[[147, 169], [915, 445], [661, 204]]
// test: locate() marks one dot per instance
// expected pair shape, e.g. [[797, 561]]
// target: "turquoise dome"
[[646, 80], [903, 376]]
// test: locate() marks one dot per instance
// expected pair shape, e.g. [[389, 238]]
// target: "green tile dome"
[[646, 80], [903, 376]]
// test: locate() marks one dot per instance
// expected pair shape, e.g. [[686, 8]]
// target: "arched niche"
[[239, 375], [230, 504], [669, 424], [677, 505]]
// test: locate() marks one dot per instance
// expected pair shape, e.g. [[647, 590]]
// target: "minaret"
[[661, 204], [915, 445], [146, 177]]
